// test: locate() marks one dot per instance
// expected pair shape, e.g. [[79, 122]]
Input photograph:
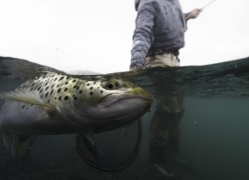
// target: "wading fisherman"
[[158, 37]]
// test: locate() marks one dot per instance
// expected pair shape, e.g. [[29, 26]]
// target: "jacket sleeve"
[[143, 35]]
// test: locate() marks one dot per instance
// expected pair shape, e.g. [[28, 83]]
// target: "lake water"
[[214, 128]]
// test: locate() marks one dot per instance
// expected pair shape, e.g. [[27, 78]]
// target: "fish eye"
[[110, 86], [113, 84]]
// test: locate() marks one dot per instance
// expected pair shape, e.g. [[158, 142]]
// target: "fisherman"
[[158, 37]]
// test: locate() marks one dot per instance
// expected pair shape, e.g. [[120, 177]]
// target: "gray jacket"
[[160, 24]]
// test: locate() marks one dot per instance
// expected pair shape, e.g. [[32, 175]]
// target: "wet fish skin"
[[61, 104]]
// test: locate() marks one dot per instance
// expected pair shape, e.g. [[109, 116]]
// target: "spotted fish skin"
[[54, 89], [59, 104]]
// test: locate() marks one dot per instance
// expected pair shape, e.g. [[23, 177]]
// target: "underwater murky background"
[[214, 127]]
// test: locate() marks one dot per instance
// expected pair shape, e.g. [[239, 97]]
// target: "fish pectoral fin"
[[25, 97], [18, 144], [8, 140], [24, 145]]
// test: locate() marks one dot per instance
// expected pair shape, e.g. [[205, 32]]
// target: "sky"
[[72, 35]]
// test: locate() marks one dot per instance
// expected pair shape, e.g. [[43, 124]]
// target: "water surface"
[[214, 126]]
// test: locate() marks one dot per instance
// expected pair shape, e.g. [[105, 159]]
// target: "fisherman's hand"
[[135, 66], [193, 14]]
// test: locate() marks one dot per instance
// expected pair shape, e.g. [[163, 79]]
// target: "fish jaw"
[[121, 106]]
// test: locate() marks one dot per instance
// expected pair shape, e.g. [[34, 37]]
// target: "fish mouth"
[[114, 98], [120, 107]]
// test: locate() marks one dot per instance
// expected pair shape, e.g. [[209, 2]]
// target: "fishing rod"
[[207, 4], [188, 17]]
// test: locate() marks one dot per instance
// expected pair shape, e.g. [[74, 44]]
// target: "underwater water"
[[212, 132]]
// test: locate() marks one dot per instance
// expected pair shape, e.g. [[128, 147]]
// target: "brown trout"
[[61, 104]]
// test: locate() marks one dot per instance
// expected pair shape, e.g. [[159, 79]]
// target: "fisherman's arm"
[[143, 36]]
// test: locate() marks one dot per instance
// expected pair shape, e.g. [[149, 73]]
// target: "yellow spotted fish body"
[[62, 104], [82, 103]]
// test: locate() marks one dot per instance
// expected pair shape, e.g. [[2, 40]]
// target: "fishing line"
[[121, 165]]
